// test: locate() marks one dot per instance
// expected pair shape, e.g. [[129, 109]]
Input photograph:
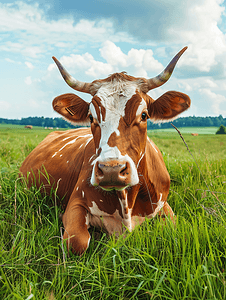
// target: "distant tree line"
[[180, 122], [39, 121], [191, 122]]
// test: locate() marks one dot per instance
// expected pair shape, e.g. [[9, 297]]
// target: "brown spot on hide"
[[131, 108], [100, 109], [146, 199], [122, 142]]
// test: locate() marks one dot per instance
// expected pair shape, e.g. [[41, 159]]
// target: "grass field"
[[155, 261]]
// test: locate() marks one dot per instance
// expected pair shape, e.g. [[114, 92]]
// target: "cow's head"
[[118, 115]]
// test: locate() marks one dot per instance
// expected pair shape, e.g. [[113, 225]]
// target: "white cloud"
[[10, 60], [28, 31], [22, 20], [99, 69], [85, 63], [185, 86], [140, 61], [113, 54], [136, 62], [218, 101], [196, 25], [28, 80], [200, 31], [29, 65], [206, 82], [24, 47]]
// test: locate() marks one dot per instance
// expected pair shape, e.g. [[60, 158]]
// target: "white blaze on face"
[[93, 110], [141, 107], [114, 97]]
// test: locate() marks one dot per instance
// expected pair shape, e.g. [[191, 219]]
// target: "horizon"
[[163, 122], [93, 40]]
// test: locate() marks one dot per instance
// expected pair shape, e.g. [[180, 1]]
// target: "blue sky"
[[94, 38]]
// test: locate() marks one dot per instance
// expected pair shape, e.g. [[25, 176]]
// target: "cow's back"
[[56, 162]]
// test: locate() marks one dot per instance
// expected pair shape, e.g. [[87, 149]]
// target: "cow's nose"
[[112, 174], [118, 169]]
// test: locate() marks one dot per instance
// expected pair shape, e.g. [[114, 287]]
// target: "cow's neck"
[[126, 210], [127, 197]]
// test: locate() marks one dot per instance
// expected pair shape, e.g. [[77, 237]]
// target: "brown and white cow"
[[110, 175]]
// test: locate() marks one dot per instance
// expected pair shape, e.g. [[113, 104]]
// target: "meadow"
[[156, 261]]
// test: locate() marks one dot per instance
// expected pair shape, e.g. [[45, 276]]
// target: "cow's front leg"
[[169, 212], [76, 230]]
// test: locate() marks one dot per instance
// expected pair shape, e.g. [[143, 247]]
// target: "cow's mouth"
[[113, 188]]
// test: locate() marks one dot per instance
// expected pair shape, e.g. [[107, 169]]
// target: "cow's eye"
[[91, 118], [144, 116]]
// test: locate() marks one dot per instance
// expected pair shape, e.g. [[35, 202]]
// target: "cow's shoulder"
[[57, 136], [61, 142], [154, 158], [154, 182], [157, 172], [58, 160]]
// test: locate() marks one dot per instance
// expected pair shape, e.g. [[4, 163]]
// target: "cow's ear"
[[72, 107], [168, 106]]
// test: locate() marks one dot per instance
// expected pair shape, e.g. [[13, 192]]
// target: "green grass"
[[156, 261], [21, 127]]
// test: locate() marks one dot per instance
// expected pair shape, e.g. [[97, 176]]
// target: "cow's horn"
[[165, 75], [72, 82]]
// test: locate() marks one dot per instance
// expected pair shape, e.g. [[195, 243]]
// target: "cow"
[[194, 134], [28, 126], [109, 175]]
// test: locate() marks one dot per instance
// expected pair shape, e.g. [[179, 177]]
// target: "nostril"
[[124, 167], [100, 167]]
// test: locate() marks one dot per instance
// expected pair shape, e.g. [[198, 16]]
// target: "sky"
[[95, 38]]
